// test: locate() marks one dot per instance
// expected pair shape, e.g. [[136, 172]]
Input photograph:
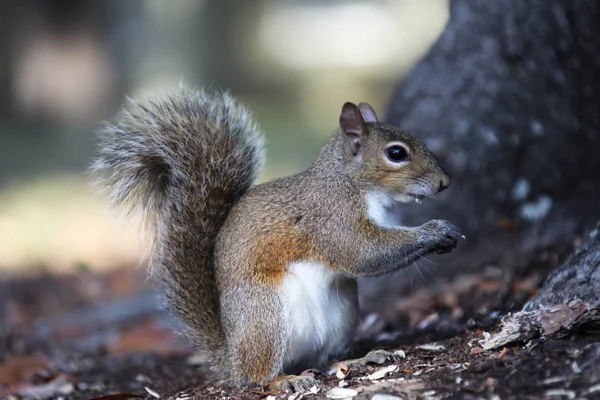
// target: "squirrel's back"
[[183, 160]]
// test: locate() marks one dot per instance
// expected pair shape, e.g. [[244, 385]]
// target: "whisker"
[[419, 271], [429, 273], [429, 261], [414, 179]]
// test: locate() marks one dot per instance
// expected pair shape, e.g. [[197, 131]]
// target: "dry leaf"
[[118, 396], [408, 385], [380, 373], [152, 392], [342, 370], [400, 353], [59, 385], [502, 353], [488, 286], [340, 393], [145, 337], [21, 369], [385, 396], [432, 347]]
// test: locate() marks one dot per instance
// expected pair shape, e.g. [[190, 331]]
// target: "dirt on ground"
[[104, 336]]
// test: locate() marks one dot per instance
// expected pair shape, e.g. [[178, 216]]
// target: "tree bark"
[[509, 98], [577, 278]]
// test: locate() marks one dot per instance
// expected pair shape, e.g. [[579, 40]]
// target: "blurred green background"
[[66, 65]]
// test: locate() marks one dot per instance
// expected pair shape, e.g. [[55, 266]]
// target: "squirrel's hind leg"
[[256, 334]]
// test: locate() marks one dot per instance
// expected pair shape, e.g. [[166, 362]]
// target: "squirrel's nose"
[[444, 183]]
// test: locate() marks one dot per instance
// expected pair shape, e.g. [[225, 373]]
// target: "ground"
[[103, 336]]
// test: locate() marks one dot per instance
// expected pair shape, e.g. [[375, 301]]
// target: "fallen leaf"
[[555, 379], [459, 367], [405, 385], [385, 396], [477, 350], [400, 353], [118, 396], [340, 393], [21, 369], [145, 337], [502, 353], [152, 392], [380, 373], [592, 389], [487, 286], [569, 394], [342, 370], [59, 385], [431, 347]]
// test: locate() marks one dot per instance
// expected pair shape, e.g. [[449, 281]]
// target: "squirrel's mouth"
[[418, 198], [409, 198]]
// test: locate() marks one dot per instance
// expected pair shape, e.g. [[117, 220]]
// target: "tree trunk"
[[509, 98], [578, 278]]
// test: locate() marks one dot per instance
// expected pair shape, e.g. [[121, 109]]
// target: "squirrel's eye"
[[396, 153]]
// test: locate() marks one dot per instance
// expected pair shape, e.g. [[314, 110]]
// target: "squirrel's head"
[[387, 157]]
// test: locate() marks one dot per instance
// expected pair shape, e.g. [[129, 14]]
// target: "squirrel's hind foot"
[[296, 383], [375, 357]]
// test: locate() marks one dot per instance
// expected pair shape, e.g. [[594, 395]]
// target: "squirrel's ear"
[[367, 112], [353, 129]]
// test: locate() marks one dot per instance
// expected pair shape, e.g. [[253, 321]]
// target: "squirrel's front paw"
[[444, 236]]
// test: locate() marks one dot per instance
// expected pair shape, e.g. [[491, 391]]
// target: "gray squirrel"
[[265, 276]]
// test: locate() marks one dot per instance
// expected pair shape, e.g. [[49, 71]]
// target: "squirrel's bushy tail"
[[183, 160]]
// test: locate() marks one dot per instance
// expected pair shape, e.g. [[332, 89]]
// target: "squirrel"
[[265, 276]]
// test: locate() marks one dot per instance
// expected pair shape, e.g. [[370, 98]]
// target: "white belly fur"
[[321, 309]]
